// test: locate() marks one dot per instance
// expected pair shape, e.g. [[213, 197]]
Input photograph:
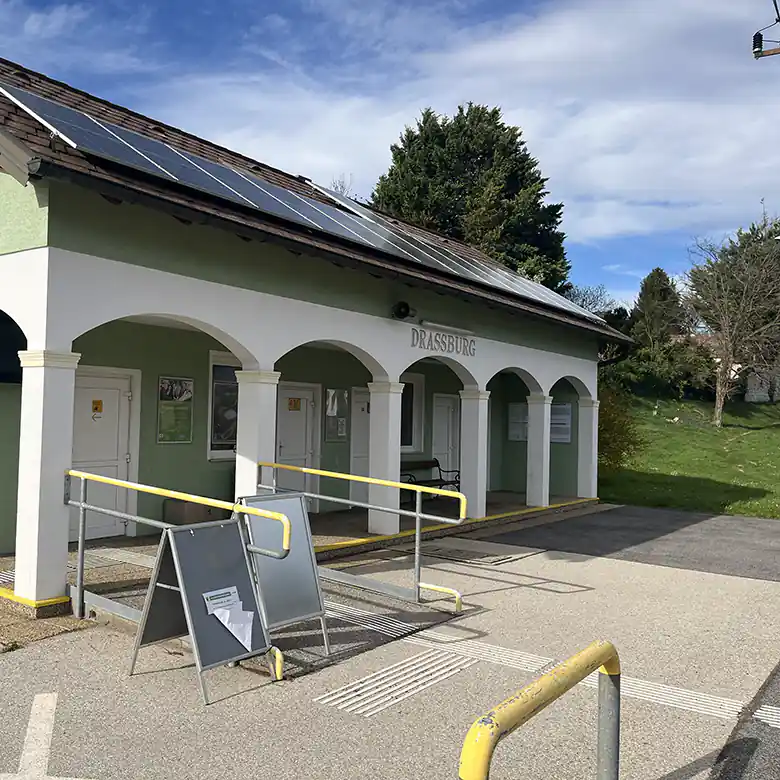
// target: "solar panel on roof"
[[108, 141], [492, 275], [358, 224], [436, 257]]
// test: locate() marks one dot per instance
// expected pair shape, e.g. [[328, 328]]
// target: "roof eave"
[[16, 159], [292, 239]]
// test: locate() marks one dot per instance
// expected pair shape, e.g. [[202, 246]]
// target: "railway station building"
[[173, 313]]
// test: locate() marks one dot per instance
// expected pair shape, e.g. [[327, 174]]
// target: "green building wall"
[[158, 351], [83, 221], [10, 409], [72, 218], [24, 215]]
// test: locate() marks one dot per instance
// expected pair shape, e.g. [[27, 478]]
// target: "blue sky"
[[651, 119]]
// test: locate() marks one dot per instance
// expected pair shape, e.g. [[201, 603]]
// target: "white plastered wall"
[[260, 328], [56, 296]]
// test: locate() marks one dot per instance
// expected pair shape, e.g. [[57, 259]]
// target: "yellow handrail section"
[[372, 481], [486, 732], [214, 502]]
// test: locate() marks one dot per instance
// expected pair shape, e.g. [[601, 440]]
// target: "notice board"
[[289, 587], [202, 586]]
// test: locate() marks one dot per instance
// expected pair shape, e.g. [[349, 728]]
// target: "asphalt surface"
[[744, 547], [699, 648], [753, 749], [736, 546]]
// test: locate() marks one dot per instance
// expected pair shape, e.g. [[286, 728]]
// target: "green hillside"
[[689, 464]]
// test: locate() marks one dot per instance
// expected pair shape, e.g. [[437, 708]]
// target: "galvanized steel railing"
[[485, 733], [417, 514], [83, 506]]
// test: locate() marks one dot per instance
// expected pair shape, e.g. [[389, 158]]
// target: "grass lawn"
[[689, 464]]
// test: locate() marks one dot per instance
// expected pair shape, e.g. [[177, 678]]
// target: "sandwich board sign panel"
[[289, 588], [202, 586]]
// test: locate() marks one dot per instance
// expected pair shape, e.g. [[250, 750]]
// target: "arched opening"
[[322, 421], [430, 437], [12, 341], [573, 440], [564, 431], [155, 401], [508, 433]]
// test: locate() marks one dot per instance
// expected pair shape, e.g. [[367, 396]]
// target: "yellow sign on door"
[[293, 404], [97, 407]]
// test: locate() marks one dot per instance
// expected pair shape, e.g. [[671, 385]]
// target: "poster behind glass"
[[336, 414], [224, 408], [174, 410]]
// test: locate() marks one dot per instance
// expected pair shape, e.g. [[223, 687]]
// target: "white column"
[[474, 449], [587, 448], [256, 436], [384, 458], [538, 459], [45, 454]]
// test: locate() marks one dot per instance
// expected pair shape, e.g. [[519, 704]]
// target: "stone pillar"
[[538, 459], [45, 454], [474, 449], [256, 437], [588, 448], [384, 458]]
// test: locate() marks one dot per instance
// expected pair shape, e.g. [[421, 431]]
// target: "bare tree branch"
[[734, 294], [341, 185]]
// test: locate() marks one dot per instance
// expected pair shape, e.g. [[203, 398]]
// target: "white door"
[[101, 434], [359, 443], [295, 436], [446, 431]]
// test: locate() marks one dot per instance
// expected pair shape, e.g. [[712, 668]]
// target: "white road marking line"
[[768, 715], [376, 692], [37, 741], [631, 687], [34, 761]]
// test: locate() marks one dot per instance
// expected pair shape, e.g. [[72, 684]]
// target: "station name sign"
[[448, 343]]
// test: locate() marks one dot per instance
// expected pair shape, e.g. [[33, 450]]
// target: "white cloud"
[[75, 38], [624, 270], [647, 117]]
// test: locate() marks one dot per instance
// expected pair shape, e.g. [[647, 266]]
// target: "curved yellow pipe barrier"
[[215, 502], [486, 732], [372, 481]]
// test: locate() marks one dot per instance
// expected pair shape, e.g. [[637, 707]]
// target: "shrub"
[[677, 369], [619, 437]]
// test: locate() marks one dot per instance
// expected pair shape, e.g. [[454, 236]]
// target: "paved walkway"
[[698, 648]]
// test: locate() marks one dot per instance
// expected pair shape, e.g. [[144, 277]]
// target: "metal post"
[[417, 530], [203, 690], [325, 637], [82, 543], [608, 755]]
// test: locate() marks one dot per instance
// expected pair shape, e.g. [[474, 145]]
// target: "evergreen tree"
[[658, 313], [472, 178]]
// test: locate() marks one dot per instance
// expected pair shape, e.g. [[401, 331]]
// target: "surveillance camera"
[[402, 311]]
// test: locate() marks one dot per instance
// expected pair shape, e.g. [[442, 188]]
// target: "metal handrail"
[[417, 513], [486, 732], [84, 507], [213, 502], [373, 481]]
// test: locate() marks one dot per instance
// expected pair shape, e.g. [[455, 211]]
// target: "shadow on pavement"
[[731, 763], [736, 546]]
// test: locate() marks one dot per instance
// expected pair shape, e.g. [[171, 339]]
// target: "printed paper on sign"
[[238, 622], [224, 597]]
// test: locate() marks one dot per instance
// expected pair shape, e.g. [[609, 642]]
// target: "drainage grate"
[[467, 555], [381, 690], [91, 561]]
